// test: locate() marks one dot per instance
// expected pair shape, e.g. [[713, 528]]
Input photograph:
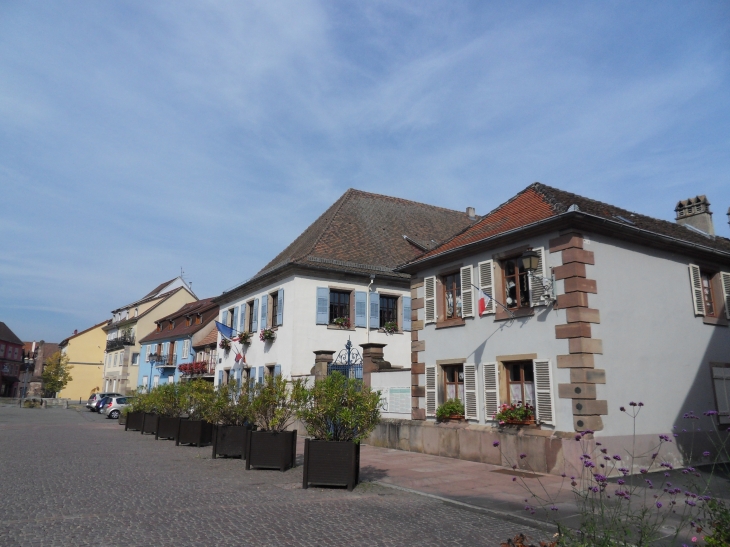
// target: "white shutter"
[[429, 301], [721, 381], [697, 298], [467, 292], [725, 282], [491, 389], [431, 401], [544, 405], [486, 284], [470, 392], [537, 289]]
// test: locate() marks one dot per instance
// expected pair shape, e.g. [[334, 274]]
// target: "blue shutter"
[[361, 309], [323, 301], [224, 317], [280, 307], [277, 370], [220, 377], [261, 375], [255, 325], [238, 378], [264, 311], [375, 310], [241, 319], [234, 320], [406, 313]]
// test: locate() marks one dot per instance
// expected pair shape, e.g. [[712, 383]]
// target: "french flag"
[[483, 302]]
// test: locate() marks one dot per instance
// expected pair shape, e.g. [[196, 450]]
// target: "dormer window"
[[171, 325], [159, 327], [198, 319], [188, 321]]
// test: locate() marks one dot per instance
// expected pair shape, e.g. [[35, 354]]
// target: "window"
[[188, 321], [388, 310], [521, 382], [116, 359], [452, 295], [159, 327], [155, 381], [136, 312], [516, 284], [453, 382], [135, 359], [721, 385], [2, 350], [252, 315], [198, 319], [171, 325], [186, 349], [231, 318], [707, 295], [710, 293], [15, 353], [339, 305]]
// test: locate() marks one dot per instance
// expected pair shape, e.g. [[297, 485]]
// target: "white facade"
[[299, 335]]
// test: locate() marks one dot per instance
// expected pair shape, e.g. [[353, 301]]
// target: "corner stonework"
[[418, 369], [582, 347]]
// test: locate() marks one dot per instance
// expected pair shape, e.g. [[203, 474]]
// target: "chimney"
[[695, 212], [76, 331], [471, 213]]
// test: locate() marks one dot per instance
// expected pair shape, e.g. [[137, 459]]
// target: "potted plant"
[[170, 410], [515, 413], [229, 414], [245, 338], [342, 322], [122, 420], [151, 416], [196, 397], [453, 409], [338, 412], [273, 408], [136, 410], [267, 335], [391, 327], [225, 345]]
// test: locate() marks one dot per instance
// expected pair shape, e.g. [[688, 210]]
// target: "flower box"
[[197, 432], [134, 421], [167, 428], [271, 449], [531, 421], [267, 335], [331, 463], [230, 441], [149, 425]]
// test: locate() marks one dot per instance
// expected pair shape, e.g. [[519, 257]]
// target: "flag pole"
[[510, 312]]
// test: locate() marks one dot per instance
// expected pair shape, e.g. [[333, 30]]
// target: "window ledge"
[[335, 327], [450, 323], [717, 321], [396, 332], [502, 315]]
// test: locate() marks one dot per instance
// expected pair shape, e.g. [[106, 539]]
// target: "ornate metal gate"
[[348, 362]]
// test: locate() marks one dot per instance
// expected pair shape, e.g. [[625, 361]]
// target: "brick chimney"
[[695, 212]]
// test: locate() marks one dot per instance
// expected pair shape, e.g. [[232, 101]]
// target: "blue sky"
[[139, 137]]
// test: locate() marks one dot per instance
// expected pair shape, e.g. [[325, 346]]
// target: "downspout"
[[367, 307]]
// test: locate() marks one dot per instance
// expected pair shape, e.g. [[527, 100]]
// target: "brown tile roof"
[[539, 202], [206, 306], [6, 335], [364, 233], [158, 288], [211, 338]]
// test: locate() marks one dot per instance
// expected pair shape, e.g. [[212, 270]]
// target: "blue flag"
[[226, 332]]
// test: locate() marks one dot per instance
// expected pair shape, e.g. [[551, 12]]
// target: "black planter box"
[[230, 441], [330, 463], [197, 432], [271, 449], [134, 421], [149, 425], [167, 428]]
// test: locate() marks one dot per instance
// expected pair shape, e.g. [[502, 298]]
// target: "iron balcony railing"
[[167, 360], [119, 342]]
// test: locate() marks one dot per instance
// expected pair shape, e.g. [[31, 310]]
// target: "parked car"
[[96, 397], [100, 404], [112, 406]]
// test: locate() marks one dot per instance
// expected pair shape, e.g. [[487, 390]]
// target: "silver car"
[[96, 397], [113, 407]]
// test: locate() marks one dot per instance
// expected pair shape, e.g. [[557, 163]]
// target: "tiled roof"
[[205, 306], [364, 233], [210, 338], [158, 288], [539, 202], [6, 335]]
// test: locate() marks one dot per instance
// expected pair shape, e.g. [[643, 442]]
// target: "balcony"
[[119, 342], [197, 368], [164, 361]]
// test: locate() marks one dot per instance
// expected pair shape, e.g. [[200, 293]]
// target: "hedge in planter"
[[169, 404], [274, 406], [338, 412], [196, 397], [229, 412], [141, 403]]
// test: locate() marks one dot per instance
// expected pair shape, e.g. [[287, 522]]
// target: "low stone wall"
[[547, 451]]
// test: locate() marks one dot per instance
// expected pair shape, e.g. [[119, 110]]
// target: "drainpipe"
[[367, 307]]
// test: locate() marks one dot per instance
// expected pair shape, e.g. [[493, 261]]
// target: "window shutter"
[[323, 300], [149, 352], [224, 317], [375, 311], [234, 319], [277, 370], [491, 389], [264, 311], [261, 375], [467, 292], [431, 402], [280, 307], [239, 374], [241, 318], [537, 289], [725, 282], [544, 391], [406, 322], [255, 325], [696, 279], [220, 377], [429, 301], [721, 383], [486, 271], [361, 309], [470, 392]]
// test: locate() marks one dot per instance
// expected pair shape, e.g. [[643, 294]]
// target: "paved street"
[[74, 478]]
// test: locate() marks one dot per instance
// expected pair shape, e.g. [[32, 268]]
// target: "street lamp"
[[531, 263], [29, 361]]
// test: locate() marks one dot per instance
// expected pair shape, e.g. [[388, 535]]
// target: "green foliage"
[[515, 412], [231, 405], [452, 407], [276, 402], [391, 327], [718, 517], [141, 402], [196, 398], [167, 400], [56, 373], [340, 409]]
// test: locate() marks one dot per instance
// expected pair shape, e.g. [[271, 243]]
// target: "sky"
[[139, 138]]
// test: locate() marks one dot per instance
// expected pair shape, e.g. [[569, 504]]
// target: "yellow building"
[[85, 351]]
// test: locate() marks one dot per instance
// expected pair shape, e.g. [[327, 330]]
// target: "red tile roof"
[[206, 307]]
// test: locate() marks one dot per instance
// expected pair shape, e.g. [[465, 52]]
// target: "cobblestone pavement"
[[73, 478]]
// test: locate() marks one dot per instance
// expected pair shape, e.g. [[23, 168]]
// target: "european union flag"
[[226, 331]]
